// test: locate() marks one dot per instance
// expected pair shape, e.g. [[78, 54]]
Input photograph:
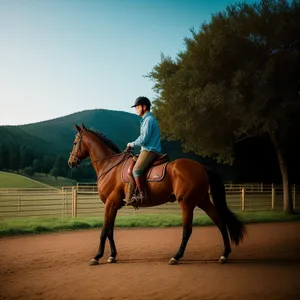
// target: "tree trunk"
[[287, 188]]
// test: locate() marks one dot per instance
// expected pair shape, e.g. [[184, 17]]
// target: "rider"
[[149, 141]]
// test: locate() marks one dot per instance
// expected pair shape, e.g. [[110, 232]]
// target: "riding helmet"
[[142, 101]]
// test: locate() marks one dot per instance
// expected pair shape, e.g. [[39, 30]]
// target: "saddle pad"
[[155, 173]]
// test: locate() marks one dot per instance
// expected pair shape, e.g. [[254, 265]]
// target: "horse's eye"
[[75, 143]]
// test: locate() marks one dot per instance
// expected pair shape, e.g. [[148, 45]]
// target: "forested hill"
[[119, 126], [44, 147], [12, 136]]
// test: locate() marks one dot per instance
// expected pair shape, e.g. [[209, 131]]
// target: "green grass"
[[50, 180], [35, 225], [12, 180]]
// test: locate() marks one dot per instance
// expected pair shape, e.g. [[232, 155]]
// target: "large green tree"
[[237, 78]]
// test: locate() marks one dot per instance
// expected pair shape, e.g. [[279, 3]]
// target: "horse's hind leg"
[[187, 221], [212, 212]]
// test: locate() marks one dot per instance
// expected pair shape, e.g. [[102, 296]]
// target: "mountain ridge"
[[60, 131]]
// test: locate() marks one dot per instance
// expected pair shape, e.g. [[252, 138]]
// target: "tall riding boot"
[[130, 191], [142, 196]]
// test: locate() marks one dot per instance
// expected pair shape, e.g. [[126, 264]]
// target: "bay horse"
[[186, 181]]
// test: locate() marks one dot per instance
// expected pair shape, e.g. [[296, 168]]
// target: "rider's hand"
[[129, 148]]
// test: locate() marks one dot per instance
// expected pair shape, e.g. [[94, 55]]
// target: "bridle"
[[77, 160]]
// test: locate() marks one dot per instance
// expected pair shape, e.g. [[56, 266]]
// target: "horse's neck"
[[98, 152]]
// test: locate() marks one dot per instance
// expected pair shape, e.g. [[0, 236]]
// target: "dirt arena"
[[55, 266]]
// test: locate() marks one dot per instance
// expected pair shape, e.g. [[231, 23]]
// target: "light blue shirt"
[[149, 138]]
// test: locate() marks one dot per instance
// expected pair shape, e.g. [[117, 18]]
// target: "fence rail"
[[84, 201]]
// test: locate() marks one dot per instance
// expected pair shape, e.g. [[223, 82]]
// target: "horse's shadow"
[[249, 261]]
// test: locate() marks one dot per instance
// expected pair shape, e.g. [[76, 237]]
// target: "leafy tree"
[[54, 172], [26, 156], [37, 165], [62, 165], [29, 171], [47, 163], [83, 174], [237, 78]]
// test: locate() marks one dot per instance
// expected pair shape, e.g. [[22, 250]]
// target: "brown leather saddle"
[[155, 173]]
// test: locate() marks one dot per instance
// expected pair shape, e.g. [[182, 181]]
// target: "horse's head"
[[79, 151]]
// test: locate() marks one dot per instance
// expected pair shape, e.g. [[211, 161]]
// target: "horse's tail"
[[235, 226]]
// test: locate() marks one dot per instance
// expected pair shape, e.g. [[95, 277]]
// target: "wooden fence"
[[84, 201]]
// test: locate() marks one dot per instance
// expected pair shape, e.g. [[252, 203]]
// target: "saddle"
[[155, 173]]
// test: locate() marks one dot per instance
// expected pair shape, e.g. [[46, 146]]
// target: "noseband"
[[76, 159]]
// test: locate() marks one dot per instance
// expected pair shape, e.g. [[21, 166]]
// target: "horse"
[[186, 181]]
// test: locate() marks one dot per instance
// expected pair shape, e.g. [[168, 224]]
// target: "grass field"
[[12, 180], [50, 180], [33, 225]]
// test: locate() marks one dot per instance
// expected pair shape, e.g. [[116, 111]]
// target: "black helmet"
[[142, 101]]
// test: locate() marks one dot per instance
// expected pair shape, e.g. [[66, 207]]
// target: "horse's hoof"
[[111, 260], [223, 260], [93, 262], [173, 261]]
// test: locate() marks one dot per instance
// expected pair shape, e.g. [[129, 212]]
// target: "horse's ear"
[[83, 127], [77, 128]]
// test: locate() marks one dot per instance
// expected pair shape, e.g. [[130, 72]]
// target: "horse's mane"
[[105, 139]]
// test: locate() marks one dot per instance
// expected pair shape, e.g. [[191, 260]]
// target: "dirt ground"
[[55, 266]]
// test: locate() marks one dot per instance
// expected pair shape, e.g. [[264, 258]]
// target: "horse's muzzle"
[[74, 163]]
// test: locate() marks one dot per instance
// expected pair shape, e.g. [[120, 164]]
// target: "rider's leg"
[[130, 191], [144, 161]]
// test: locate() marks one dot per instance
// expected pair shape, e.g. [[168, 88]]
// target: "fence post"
[[19, 203], [273, 197], [243, 198], [64, 202], [74, 202], [294, 196]]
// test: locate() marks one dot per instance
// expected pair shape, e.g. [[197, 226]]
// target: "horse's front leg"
[[107, 232]]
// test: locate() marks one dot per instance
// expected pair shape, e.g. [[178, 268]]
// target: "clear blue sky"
[[58, 57]]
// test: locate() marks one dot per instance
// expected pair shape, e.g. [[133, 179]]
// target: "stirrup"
[[132, 203], [140, 198], [135, 200], [126, 201]]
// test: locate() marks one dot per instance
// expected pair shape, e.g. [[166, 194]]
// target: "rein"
[[123, 158], [125, 154]]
